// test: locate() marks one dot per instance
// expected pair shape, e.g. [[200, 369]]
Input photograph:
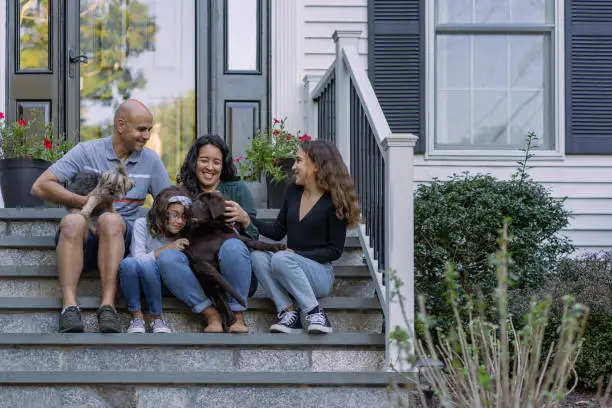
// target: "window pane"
[[146, 50], [503, 97], [494, 11], [242, 35], [33, 35]]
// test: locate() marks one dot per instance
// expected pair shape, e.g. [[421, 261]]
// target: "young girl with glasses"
[[162, 229]]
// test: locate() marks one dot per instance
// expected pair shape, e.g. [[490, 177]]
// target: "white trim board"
[[3, 52]]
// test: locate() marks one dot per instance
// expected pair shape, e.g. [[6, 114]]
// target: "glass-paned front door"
[[142, 49]]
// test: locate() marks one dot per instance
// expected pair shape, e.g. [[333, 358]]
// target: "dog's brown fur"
[[113, 185], [208, 232]]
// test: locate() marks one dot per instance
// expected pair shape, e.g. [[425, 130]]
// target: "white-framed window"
[[493, 72]]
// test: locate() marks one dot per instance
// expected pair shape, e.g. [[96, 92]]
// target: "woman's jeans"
[[132, 276], [284, 274], [234, 265]]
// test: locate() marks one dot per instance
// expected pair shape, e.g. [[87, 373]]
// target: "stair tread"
[[297, 378], [48, 242], [50, 271], [329, 303], [56, 214], [191, 339]]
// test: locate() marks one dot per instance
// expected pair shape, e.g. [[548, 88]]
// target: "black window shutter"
[[396, 62], [588, 77]]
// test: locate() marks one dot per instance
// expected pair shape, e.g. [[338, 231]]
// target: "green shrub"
[[456, 221], [588, 279]]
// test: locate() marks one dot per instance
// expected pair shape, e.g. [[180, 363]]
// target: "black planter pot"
[[16, 179], [276, 191]]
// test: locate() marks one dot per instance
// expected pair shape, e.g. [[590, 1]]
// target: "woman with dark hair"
[[209, 166], [318, 207]]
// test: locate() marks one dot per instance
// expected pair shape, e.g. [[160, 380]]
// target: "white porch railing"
[[343, 108]]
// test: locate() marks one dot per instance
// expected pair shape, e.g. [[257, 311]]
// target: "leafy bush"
[[588, 279], [495, 362], [456, 221]]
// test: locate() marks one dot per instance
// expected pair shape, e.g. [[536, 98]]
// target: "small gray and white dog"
[[102, 190]]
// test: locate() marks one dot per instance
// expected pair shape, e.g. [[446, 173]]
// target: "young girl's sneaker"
[[318, 323], [160, 326], [289, 322], [137, 325]]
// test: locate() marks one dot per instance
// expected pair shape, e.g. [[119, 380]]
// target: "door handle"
[[76, 58]]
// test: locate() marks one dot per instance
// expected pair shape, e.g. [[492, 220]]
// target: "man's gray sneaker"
[[108, 320], [137, 325], [160, 326], [70, 320]]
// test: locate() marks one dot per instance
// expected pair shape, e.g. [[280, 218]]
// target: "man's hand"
[[235, 213]]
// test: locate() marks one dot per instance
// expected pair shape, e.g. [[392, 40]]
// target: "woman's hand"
[[235, 213], [180, 244]]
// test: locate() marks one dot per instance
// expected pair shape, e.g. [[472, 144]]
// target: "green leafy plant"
[[268, 151], [588, 279], [23, 139], [456, 220], [494, 362]]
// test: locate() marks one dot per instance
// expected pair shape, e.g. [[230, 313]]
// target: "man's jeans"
[[284, 274], [132, 276], [234, 265]]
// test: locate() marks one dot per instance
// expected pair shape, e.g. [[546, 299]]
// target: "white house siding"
[[2, 67], [301, 45], [586, 181]]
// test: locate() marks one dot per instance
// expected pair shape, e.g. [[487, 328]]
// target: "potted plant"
[[27, 149], [271, 152]]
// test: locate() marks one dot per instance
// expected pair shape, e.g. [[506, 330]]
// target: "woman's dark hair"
[[188, 178], [333, 176], [157, 218]]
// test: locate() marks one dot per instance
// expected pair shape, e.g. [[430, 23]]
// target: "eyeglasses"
[[176, 216]]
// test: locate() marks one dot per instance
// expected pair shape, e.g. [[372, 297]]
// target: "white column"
[[399, 238], [3, 88], [343, 39], [309, 107], [285, 78]]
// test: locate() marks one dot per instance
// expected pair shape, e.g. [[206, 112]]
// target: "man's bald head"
[[130, 107], [133, 122]]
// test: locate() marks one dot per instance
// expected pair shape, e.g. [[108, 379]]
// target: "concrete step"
[[191, 352], [39, 251], [202, 390], [40, 315], [32, 281]]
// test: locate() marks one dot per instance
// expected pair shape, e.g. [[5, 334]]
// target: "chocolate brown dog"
[[207, 233]]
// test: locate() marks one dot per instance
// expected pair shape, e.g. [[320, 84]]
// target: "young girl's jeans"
[[286, 274], [134, 275]]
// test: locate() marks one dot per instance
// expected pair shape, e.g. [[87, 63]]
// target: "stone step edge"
[[208, 378], [56, 214], [55, 303], [48, 242], [345, 340], [50, 271]]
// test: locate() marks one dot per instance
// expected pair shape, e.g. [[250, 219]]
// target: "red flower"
[[305, 138], [47, 143], [238, 159], [22, 122], [276, 161], [276, 132], [288, 137], [276, 121], [1, 115]]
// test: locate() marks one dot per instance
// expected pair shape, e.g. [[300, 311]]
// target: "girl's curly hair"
[[188, 176], [157, 218], [333, 176]]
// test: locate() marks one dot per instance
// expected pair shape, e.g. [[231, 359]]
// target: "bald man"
[[77, 247]]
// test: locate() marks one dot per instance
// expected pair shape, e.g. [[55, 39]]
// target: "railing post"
[[343, 39], [311, 116], [399, 230]]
